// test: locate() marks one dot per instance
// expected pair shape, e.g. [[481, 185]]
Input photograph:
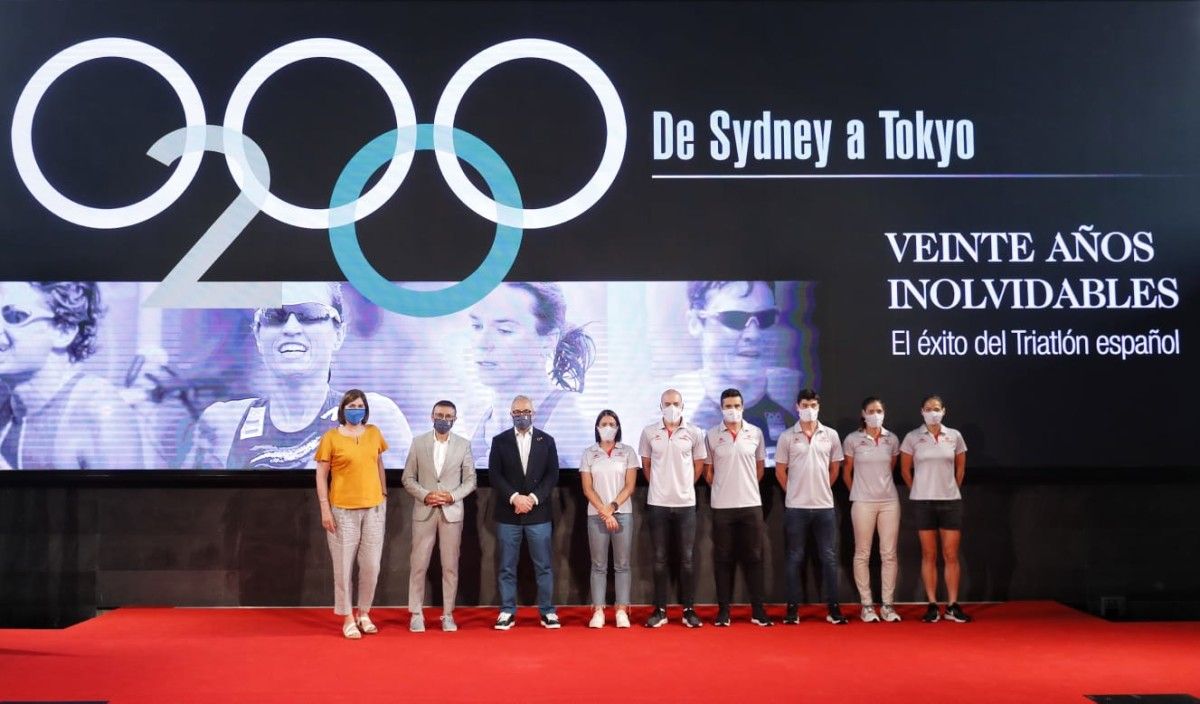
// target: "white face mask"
[[933, 417], [607, 432], [732, 415], [672, 414], [809, 415], [873, 420]]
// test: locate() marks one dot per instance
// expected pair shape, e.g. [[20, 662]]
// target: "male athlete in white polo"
[[673, 457], [807, 462], [736, 463]]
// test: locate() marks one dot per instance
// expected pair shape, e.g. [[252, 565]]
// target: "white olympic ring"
[[614, 145], [369, 202], [35, 89], [377, 68]]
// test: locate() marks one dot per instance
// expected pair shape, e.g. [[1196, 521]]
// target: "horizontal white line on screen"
[[698, 177]]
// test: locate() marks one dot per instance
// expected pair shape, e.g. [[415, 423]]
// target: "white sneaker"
[[889, 614], [868, 614], [622, 619], [597, 619]]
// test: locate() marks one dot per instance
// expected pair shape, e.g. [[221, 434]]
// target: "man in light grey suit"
[[439, 474]]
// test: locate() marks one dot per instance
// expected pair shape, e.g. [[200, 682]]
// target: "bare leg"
[[950, 539], [929, 564]]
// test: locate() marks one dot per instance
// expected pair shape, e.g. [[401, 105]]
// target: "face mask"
[[732, 415], [522, 423], [354, 416], [809, 415], [933, 417], [442, 426], [874, 420], [607, 433], [672, 414]]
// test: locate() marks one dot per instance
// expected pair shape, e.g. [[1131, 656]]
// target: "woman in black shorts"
[[933, 459]]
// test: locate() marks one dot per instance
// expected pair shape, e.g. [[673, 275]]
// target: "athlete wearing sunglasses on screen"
[[735, 322], [280, 429], [53, 414]]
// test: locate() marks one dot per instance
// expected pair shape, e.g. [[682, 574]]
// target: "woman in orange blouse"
[[352, 490]]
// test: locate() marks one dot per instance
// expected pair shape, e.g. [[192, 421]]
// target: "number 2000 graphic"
[[181, 288]]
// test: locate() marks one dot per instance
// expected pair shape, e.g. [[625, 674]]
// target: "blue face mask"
[[442, 426], [354, 416], [522, 423]]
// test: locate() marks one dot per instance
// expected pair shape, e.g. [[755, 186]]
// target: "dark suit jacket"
[[507, 477]]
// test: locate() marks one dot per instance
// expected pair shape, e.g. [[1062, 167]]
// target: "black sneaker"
[[505, 622], [835, 616], [955, 613], [722, 617], [658, 618], [690, 619], [759, 617], [931, 613], [550, 621], [792, 617]]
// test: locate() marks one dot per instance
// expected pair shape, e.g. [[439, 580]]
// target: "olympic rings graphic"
[[503, 207]]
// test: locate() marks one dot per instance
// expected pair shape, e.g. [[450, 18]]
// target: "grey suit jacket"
[[420, 475]]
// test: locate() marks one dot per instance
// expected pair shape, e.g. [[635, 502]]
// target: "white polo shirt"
[[734, 458], [608, 473], [672, 463], [808, 465], [874, 460], [933, 463]]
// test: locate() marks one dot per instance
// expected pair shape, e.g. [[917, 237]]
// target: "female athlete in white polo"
[[933, 459], [874, 505], [608, 472]]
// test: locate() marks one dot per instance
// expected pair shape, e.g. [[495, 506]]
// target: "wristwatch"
[[614, 505]]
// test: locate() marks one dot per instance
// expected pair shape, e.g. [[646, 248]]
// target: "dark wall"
[[66, 551]]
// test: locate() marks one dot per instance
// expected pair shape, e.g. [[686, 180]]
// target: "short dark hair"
[[729, 393], [352, 395], [808, 395], [932, 397], [75, 304], [698, 291], [447, 404], [607, 414]]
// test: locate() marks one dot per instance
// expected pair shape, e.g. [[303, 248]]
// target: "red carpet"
[[1014, 652]]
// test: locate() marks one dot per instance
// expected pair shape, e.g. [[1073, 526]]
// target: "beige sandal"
[[350, 630], [365, 625]]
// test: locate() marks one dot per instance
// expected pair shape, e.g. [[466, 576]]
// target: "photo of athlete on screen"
[[734, 321], [280, 428], [53, 414], [524, 346]]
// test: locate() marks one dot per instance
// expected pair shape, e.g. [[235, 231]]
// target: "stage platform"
[[1013, 652]]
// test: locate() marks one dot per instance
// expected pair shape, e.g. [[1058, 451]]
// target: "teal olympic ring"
[[452, 299]]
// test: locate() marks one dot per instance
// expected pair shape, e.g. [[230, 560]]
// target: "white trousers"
[[868, 518], [359, 537]]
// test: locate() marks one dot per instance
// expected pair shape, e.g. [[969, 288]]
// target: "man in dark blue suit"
[[523, 468]]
